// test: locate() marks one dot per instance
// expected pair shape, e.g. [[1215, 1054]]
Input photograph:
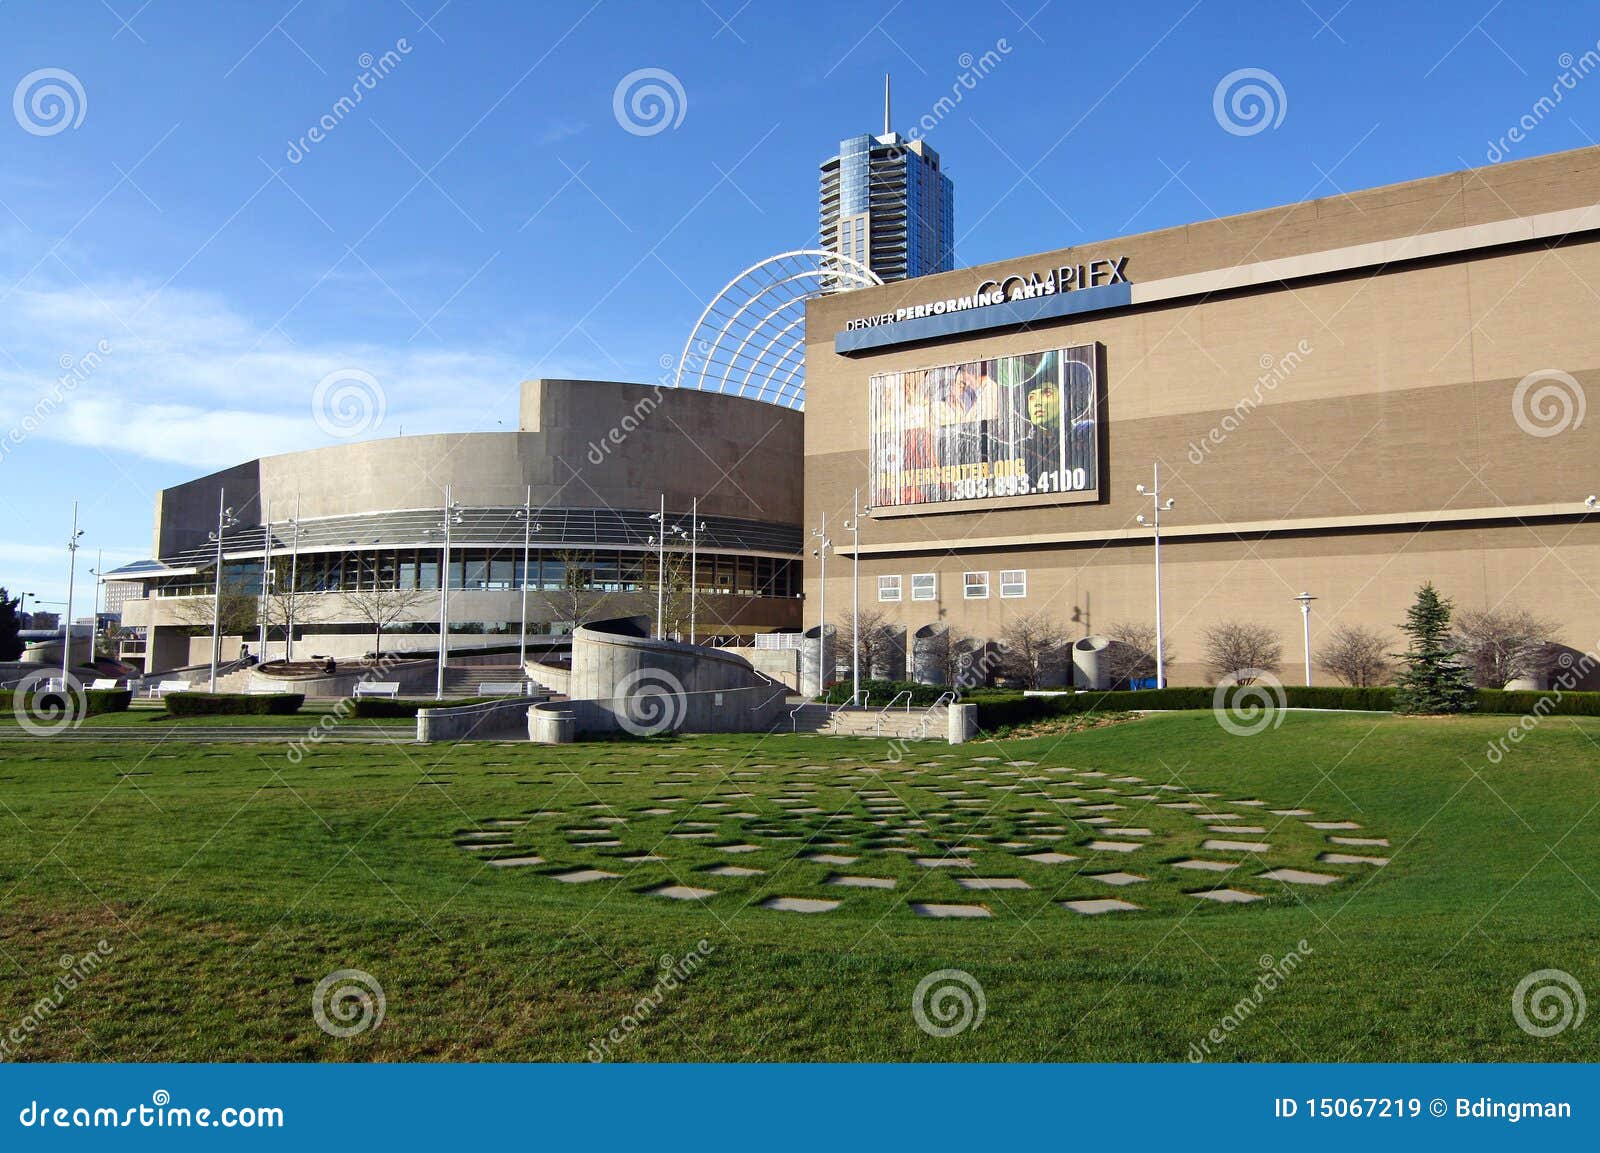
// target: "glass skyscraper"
[[886, 203]]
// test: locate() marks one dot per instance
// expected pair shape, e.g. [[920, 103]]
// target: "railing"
[[906, 693]]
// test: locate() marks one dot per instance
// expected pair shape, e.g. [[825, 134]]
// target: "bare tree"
[[1503, 645], [1357, 656], [235, 612], [1033, 647], [382, 607], [876, 641], [1132, 654], [578, 600], [1240, 649], [953, 658]]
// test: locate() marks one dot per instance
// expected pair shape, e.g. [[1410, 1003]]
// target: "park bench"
[[377, 689], [103, 683], [503, 688], [162, 688]]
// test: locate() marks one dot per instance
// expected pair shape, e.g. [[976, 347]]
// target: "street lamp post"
[[695, 525], [854, 526], [659, 539], [1154, 523], [821, 553], [525, 515], [294, 577], [1305, 600], [266, 579], [99, 579], [72, 573], [451, 515], [225, 521]]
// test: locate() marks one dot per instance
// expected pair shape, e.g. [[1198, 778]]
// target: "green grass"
[[227, 882]]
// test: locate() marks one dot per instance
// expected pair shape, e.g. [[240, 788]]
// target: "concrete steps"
[[918, 724]]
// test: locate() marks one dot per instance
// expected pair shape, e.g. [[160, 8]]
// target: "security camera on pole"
[[1305, 600], [821, 553], [854, 526], [1154, 523], [451, 514], [525, 515]]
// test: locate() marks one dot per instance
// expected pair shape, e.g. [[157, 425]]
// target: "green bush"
[[233, 704], [96, 701], [1557, 702], [880, 693], [387, 708], [998, 710]]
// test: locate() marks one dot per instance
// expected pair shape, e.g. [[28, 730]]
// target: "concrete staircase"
[[463, 680], [918, 724]]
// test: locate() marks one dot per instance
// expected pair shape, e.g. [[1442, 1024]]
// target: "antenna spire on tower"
[[886, 126]]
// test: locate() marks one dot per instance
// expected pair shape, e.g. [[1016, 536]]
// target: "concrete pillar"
[[1087, 670], [928, 649]]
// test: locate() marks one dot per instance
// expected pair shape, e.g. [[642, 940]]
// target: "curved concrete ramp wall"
[[625, 681]]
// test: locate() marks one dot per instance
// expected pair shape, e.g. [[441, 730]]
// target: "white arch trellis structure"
[[750, 340]]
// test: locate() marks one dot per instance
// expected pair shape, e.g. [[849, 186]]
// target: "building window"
[[888, 588], [1013, 583], [924, 586], [977, 586]]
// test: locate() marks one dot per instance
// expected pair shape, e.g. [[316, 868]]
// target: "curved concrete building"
[[357, 530]]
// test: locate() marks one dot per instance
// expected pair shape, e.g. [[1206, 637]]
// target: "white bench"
[[503, 689], [376, 689], [164, 687], [103, 683]]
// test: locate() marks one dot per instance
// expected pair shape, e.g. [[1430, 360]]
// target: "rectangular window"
[[924, 586], [1013, 583], [976, 586], [888, 588]]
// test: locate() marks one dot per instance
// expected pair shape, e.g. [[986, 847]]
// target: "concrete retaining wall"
[[505, 720], [414, 677]]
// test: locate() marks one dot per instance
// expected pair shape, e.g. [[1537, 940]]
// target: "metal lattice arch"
[[750, 341]]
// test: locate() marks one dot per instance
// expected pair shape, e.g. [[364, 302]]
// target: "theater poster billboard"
[[1013, 428]]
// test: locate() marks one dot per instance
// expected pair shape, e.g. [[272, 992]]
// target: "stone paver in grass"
[[1095, 906], [1353, 859], [1228, 896], [482, 846], [1253, 803], [1117, 878], [830, 859], [641, 858], [1207, 866], [507, 822], [513, 862], [1293, 813], [799, 905], [981, 883], [1114, 846], [1236, 846], [1367, 842], [1235, 829], [738, 848], [582, 876], [850, 882], [657, 812], [1300, 877], [929, 909], [1048, 858], [943, 862], [484, 836], [680, 893], [1126, 832], [1332, 825], [1180, 805]]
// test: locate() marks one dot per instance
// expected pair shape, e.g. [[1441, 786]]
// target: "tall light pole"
[[72, 573], [821, 553], [854, 526], [94, 629], [525, 515], [266, 578], [695, 525], [1305, 600], [1154, 523], [225, 521], [451, 515], [294, 578], [660, 541]]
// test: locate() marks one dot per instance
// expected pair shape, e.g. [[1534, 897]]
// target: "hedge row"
[[96, 701], [999, 710], [233, 704]]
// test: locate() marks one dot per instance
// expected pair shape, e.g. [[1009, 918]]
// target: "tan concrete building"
[[1346, 397], [355, 530]]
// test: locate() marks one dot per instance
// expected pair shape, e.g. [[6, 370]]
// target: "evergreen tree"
[[1431, 680], [10, 643]]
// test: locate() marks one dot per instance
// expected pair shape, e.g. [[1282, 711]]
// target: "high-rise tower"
[[887, 204]]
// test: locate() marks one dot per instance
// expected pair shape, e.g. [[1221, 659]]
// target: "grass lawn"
[[227, 882]]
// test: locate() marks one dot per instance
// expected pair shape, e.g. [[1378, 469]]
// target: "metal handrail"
[[906, 693]]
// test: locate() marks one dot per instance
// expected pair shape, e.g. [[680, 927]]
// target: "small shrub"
[[96, 701], [389, 708]]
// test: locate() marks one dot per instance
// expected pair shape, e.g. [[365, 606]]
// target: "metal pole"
[[72, 576], [822, 609], [94, 629], [216, 593], [444, 595], [266, 575], [694, 563], [527, 528], [1305, 600], [294, 578], [855, 601], [661, 572], [1154, 493]]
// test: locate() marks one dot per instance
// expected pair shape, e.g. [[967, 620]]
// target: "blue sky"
[[482, 216]]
